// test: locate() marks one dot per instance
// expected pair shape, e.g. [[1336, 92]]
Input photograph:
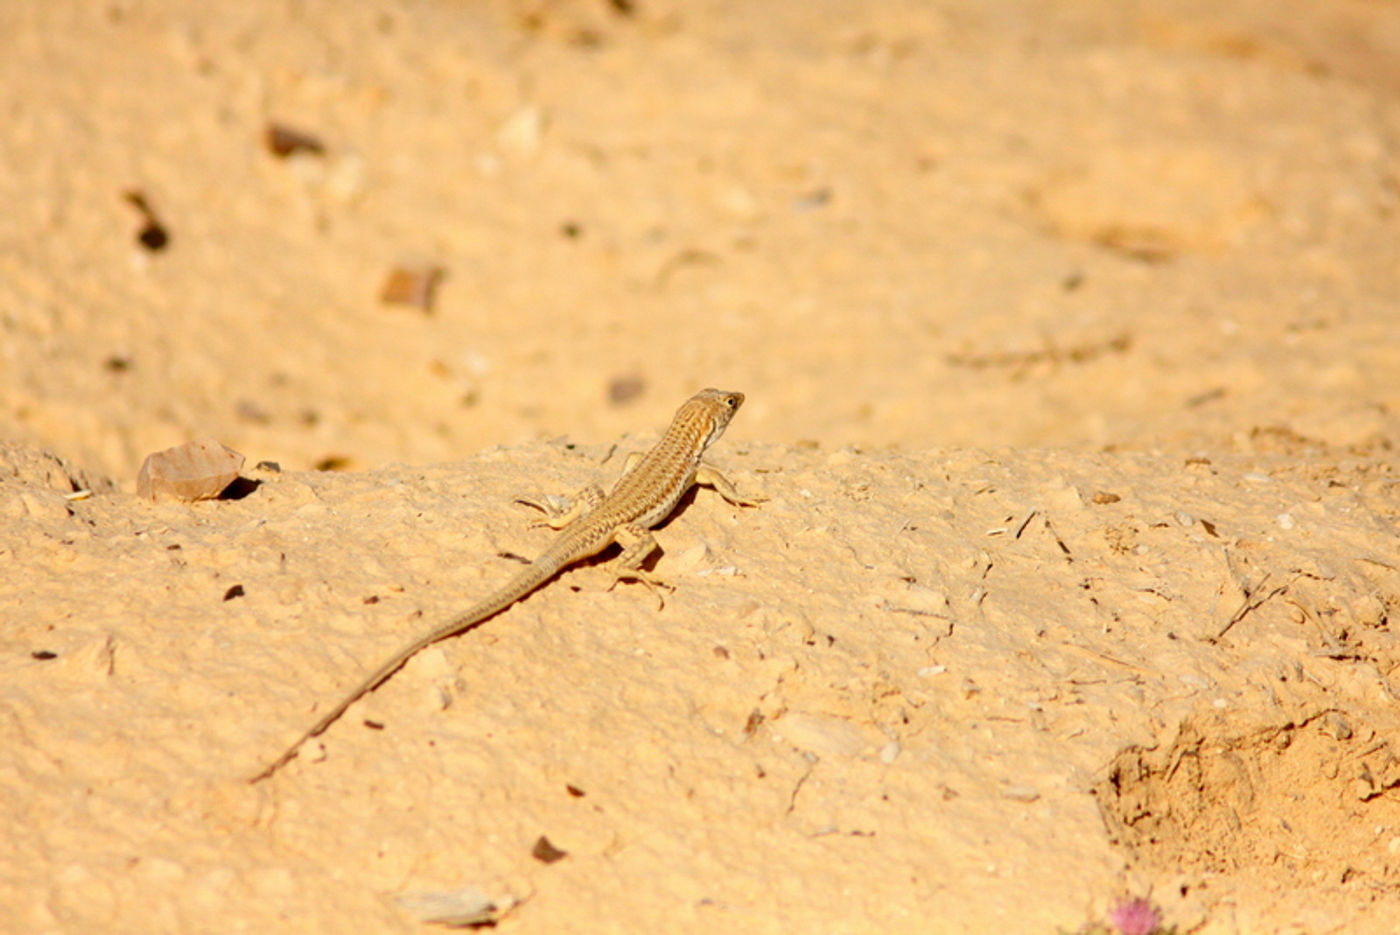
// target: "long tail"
[[517, 588]]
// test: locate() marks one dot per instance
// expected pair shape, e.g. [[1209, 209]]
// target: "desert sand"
[[1071, 339]]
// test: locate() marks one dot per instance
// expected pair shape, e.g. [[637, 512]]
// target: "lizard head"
[[711, 409]]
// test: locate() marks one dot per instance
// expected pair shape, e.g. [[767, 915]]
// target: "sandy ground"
[[1071, 341]]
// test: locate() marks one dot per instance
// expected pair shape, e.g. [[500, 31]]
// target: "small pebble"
[[1337, 725], [460, 908], [547, 853], [153, 235], [411, 286], [282, 141]]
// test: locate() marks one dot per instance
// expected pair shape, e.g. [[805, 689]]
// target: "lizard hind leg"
[[561, 511], [638, 545]]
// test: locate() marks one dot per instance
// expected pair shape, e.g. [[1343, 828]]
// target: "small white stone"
[[522, 131]]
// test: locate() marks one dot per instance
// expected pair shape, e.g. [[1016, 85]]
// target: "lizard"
[[650, 487]]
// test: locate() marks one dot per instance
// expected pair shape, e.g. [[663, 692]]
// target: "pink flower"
[[1135, 916]]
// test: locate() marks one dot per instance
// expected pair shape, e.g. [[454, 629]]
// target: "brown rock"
[[412, 286], [196, 470]]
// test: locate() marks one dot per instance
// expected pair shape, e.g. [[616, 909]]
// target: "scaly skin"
[[645, 495]]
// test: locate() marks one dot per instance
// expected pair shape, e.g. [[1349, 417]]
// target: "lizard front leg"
[[707, 475]]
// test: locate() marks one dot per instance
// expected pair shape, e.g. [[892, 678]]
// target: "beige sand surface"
[[1071, 337]]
